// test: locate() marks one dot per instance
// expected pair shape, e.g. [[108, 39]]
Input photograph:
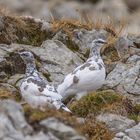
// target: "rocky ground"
[[112, 113]]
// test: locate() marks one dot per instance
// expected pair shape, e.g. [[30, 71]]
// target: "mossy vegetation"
[[94, 103], [104, 101], [136, 115]]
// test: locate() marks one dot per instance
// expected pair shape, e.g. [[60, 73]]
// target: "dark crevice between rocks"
[[12, 65], [137, 45], [39, 64]]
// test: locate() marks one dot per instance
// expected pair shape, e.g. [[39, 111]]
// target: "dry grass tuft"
[[4, 11], [96, 130], [68, 26]]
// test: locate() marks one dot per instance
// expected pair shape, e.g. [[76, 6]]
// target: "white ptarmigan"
[[36, 90], [88, 77]]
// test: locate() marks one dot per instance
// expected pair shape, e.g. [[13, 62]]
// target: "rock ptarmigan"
[[88, 77], [36, 90]]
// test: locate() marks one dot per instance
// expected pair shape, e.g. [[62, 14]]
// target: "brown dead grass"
[[4, 11], [95, 130], [69, 25], [5, 94]]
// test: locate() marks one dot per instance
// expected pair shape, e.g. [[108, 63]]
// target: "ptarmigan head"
[[98, 43], [27, 56]]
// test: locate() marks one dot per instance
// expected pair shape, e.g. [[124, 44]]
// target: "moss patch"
[[94, 103], [104, 101]]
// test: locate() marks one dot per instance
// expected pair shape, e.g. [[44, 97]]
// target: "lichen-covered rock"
[[116, 123]]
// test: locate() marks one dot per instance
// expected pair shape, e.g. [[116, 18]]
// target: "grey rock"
[[80, 120], [127, 138], [7, 129], [125, 76], [13, 125], [61, 130], [134, 132], [66, 10], [1, 23], [13, 80], [133, 5], [116, 138], [136, 40], [116, 123], [41, 136], [12, 121], [52, 54], [111, 8], [122, 45], [56, 57], [83, 38], [120, 135], [124, 138], [22, 6], [15, 112]]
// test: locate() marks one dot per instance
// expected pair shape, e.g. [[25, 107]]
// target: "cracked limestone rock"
[[116, 123], [125, 77], [12, 122]]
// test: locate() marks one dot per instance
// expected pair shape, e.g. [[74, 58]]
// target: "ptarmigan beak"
[[65, 108]]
